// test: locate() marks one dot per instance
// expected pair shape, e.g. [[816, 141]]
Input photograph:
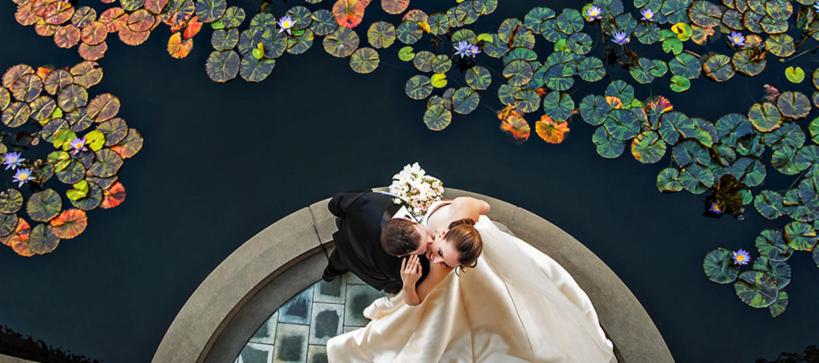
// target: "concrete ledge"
[[286, 257]]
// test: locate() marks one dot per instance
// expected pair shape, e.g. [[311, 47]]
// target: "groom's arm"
[[341, 202]]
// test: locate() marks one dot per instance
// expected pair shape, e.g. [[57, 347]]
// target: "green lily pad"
[[45, 205], [478, 78], [518, 73], [323, 22], [800, 236], [526, 100], [418, 87], [92, 199], [793, 105], [718, 266], [594, 109], [8, 223], [222, 66], [301, 17], [298, 44], [438, 24], [780, 45], [718, 67], [381, 34], [570, 21], [591, 69], [771, 245], [408, 32], [795, 74], [668, 181], [790, 134], [621, 90], [364, 60], [341, 43], [107, 164], [438, 80], [765, 117], [437, 117], [224, 39], [465, 100], [16, 114], [780, 271], [685, 65], [42, 239], [579, 43], [680, 84], [209, 11], [71, 173], [441, 63], [233, 17], [757, 289], [256, 70], [696, 178], [11, 200], [779, 306], [745, 63], [705, 14], [559, 106], [535, 18], [769, 204], [689, 151], [648, 147], [606, 145]]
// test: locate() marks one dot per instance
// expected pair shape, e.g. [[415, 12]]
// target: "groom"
[[374, 234]]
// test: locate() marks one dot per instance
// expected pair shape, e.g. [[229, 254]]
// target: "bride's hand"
[[410, 270]]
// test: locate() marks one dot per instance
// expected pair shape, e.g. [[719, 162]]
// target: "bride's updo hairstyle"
[[466, 240]]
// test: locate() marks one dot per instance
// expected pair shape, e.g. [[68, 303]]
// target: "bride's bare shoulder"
[[470, 207]]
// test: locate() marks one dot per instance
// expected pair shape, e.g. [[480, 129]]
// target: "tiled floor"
[[299, 330]]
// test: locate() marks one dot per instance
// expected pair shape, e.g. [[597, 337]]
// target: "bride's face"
[[443, 251]]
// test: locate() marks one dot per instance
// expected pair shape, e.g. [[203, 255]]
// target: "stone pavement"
[[299, 330]]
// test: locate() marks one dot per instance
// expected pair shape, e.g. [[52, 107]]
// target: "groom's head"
[[401, 237]]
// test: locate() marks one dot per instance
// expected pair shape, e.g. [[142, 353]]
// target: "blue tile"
[[358, 298], [297, 310], [291, 343], [326, 322]]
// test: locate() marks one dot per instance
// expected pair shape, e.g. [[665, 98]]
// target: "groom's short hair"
[[399, 237]]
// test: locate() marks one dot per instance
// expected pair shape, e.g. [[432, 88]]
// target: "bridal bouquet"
[[416, 188]]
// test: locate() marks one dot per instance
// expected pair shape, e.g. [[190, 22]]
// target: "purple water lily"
[[737, 39], [464, 49], [22, 176], [648, 14], [285, 23], [594, 13], [620, 38], [741, 257], [77, 145], [12, 160]]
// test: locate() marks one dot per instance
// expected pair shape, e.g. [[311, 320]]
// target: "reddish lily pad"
[[67, 36], [179, 48], [348, 13], [394, 6], [130, 145], [69, 224], [113, 196], [92, 52]]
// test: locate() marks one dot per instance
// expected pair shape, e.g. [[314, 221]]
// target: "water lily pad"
[[606, 145], [705, 14], [680, 84], [550, 130], [780, 45], [526, 100], [594, 109], [107, 164], [685, 65], [569, 21], [69, 224], [648, 147], [591, 69], [209, 11], [437, 117], [757, 289], [394, 6], [42, 239], [16, 114], [478, 78], [71, 172], [718, 266], [800, 236], [8, 223], [621, 90], [233, 17], [559, 106], [381, 34], [27, 87], [794, 105], [771, 245], [438, 80], [364, 60], [535, 18], [256, 70], [769, 204], [11, 200], [696, 178], [668, 181], [514, 125], [301, 43], [341, 43], [223, 66], [224, 39], [409, 32], [718, 67], [45, 205], [687, 152], [622, 124], [323, 22], [72, 97], [746, 62], [129, 146], [779, 306], [765, 117], [465, 100], [301, 16], [349, 13], [795, 74]]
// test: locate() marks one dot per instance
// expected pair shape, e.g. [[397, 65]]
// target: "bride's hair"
[[467, 241]]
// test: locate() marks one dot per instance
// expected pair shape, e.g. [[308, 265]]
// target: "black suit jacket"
[[361, 215]]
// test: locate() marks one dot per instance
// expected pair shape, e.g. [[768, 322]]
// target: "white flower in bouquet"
[[416, 188]]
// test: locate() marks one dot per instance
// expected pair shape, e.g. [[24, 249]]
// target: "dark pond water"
[[221, 162]]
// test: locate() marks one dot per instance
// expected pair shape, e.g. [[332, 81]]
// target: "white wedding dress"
[[516, 305]]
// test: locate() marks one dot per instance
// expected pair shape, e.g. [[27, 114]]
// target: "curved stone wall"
[[284, 258]]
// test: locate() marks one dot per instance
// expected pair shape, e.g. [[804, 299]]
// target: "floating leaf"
[[179, 48], [779, 306], [718, 67], [680, 84], [719, 267], [256, 70], [406, 54], [130, 145], [794, 105], [381, 34], [795, 74], [800, 236], [757, 289], [464, 100], [418, 87], [607, 146], [769, 204], [42, 239], [8, 224], [209, 11], [394, 6], [765, 117], [11, 200], [780, 45], [222, 66], [103, 107], [772, 246], [437, 117], [113, 196], [478, 78], [43, 206], [69, 224], [341, 43], [438, 80], [648, 147], [551, 131], [364, 60], [349, 13]]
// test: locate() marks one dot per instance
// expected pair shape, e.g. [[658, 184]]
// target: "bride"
[[506, 302]]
